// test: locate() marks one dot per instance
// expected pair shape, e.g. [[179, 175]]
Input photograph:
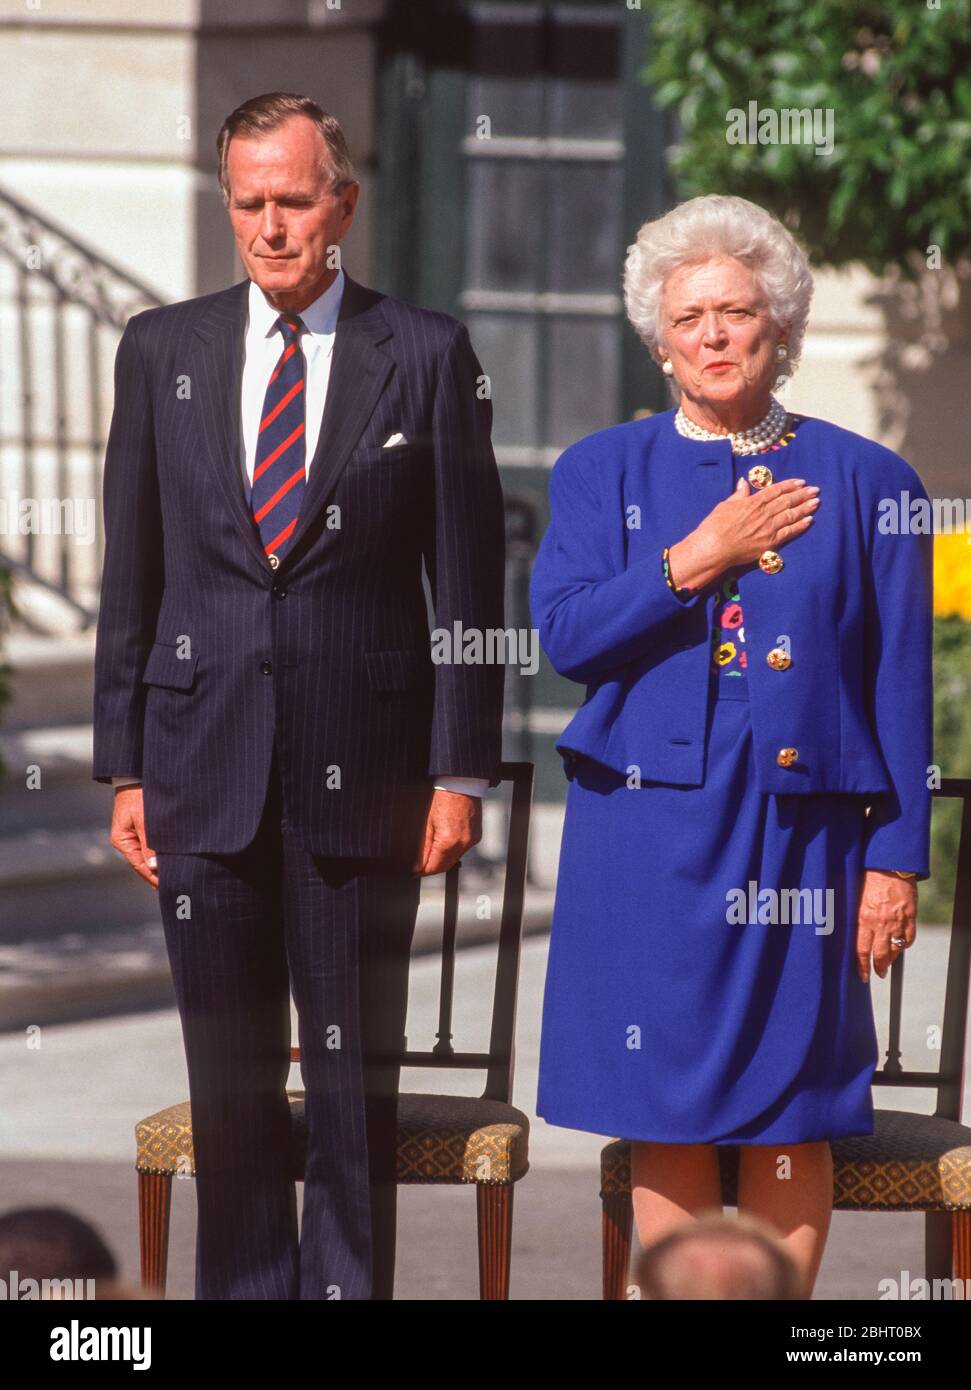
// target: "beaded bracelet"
[[681, 592]]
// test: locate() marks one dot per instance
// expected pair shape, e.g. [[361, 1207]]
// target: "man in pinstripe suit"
[[288, 761]]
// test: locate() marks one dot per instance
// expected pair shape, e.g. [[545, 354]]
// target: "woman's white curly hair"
[[719, 225]]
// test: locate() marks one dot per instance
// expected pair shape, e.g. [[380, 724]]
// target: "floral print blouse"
[[728, 655]]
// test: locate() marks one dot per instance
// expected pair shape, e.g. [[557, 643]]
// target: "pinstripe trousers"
[[242, 931]]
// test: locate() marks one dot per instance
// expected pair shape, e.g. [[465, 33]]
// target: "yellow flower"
[[952, 574], [724, 653]]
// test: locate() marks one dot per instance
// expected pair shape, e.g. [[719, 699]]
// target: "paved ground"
[[70, 1104]]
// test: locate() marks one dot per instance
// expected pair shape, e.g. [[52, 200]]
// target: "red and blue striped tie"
[[278, 474]]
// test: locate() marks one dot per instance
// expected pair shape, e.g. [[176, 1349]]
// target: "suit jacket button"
[[770, 562], [779, 659], [787, 756], [274, 561], [759, 475], [266, 667]]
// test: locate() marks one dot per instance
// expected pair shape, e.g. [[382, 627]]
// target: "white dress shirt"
[[263, 344], [262, 347]]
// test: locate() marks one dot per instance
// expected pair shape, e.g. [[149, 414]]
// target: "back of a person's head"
[[52, 1243], [715, 1257]]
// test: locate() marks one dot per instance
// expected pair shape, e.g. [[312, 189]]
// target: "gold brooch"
[[787, 756], [779, 659], [759, 475], [770, 562]]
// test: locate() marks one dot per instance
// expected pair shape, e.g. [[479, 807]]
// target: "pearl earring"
[[782, 352], [667, 368]]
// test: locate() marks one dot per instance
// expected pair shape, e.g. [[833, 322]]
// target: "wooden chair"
[[911, 1162], [441, 1138]]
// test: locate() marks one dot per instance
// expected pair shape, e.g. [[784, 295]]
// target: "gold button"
[[759, 475], [787, 756], [779, 659], [274, 561], [770, 562]]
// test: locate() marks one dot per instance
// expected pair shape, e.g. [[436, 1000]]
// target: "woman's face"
[[717, 332]]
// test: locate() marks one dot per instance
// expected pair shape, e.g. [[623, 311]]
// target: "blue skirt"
[[689, 1000]]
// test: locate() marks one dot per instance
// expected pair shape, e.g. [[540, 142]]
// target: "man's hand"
[[453, 825], [128, 833], [888, 907]]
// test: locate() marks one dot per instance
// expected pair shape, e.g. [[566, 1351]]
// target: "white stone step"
[[51, 681], [60, 751]]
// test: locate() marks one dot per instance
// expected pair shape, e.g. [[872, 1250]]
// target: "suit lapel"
[[358, 374], [217, 373]]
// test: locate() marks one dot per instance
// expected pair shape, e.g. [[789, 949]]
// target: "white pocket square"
[[392, 440]]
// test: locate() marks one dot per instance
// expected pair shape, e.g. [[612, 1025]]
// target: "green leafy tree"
[[952, 751], [897, 77]]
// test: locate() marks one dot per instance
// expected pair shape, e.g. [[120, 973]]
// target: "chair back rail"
[[948, 1080], [498, 1062]]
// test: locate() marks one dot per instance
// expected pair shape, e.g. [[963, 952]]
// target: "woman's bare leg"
[[791, 1187], [670, 1183]]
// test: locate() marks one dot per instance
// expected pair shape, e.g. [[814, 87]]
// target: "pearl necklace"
[[749, 441]]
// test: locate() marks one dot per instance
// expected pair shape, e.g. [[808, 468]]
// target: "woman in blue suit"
[[746, 594]]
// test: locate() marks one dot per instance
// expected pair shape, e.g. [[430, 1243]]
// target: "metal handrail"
[[54, 423]]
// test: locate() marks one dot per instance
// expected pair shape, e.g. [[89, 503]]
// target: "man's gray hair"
[[264, 113], [719, 225]]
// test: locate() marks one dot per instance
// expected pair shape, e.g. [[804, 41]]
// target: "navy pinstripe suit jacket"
[[206, 656]]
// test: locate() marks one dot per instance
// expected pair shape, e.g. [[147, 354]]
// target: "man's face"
[[285, 216]]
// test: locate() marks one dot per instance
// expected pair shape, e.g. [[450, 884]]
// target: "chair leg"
[[154, 1207], [961, 1245], [939, 1236], [494, 1215], [616, 1228]]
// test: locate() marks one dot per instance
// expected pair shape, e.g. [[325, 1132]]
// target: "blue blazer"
[[855, 601], [206, 657]]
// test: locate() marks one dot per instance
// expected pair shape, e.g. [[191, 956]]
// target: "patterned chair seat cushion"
[[441, 1139], [909, 1163]]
